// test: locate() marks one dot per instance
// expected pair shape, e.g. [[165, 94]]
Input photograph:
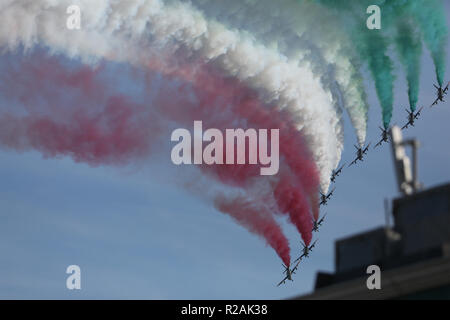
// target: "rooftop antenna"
[[407, 177]]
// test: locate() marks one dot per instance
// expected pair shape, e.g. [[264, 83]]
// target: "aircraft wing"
[[419, 112], [322, 219], [353, 162], [299, 258], [446, 88], [331, 193], [282, 281], [379, 143], [435, 102], [296, 267], [406, 126]]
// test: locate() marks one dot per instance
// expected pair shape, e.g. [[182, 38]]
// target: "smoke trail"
[[110, 26], [70, 113], [121, 132], [373, 47], [431, 18], [247, 106], [409, 47], [414, 21], [337, 51], [111, 137], [399, 19], [290, 26], [262, 222]]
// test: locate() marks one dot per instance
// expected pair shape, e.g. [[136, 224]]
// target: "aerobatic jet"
[[360, 152], [306, 250], [336, 173], [384, 137], [325, 197], [317, 224], [288, 276], [440, 94], [412, 117]]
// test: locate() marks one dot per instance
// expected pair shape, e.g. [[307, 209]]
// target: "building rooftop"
[[413, 255]]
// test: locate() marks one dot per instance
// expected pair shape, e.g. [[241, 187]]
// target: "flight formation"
[[110, 91], [360, 153]]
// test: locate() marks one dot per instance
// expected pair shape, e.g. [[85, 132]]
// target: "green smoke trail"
[[431, 19], [371, 45], [409, 47], [405, 24], [414, 21]]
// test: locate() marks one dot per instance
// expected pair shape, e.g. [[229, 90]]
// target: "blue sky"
[[135, 233]]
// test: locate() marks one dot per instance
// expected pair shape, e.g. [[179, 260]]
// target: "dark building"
[[413, 255]]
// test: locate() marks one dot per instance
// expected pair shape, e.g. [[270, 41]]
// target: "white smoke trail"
[[124, 29], [304, 32]]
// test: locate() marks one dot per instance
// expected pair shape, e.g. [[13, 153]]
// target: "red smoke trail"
[[262, 222], [245, 103], [114, 135], [25, 83], [119, 133], [228, 99], [114, 131], [290, 200]]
